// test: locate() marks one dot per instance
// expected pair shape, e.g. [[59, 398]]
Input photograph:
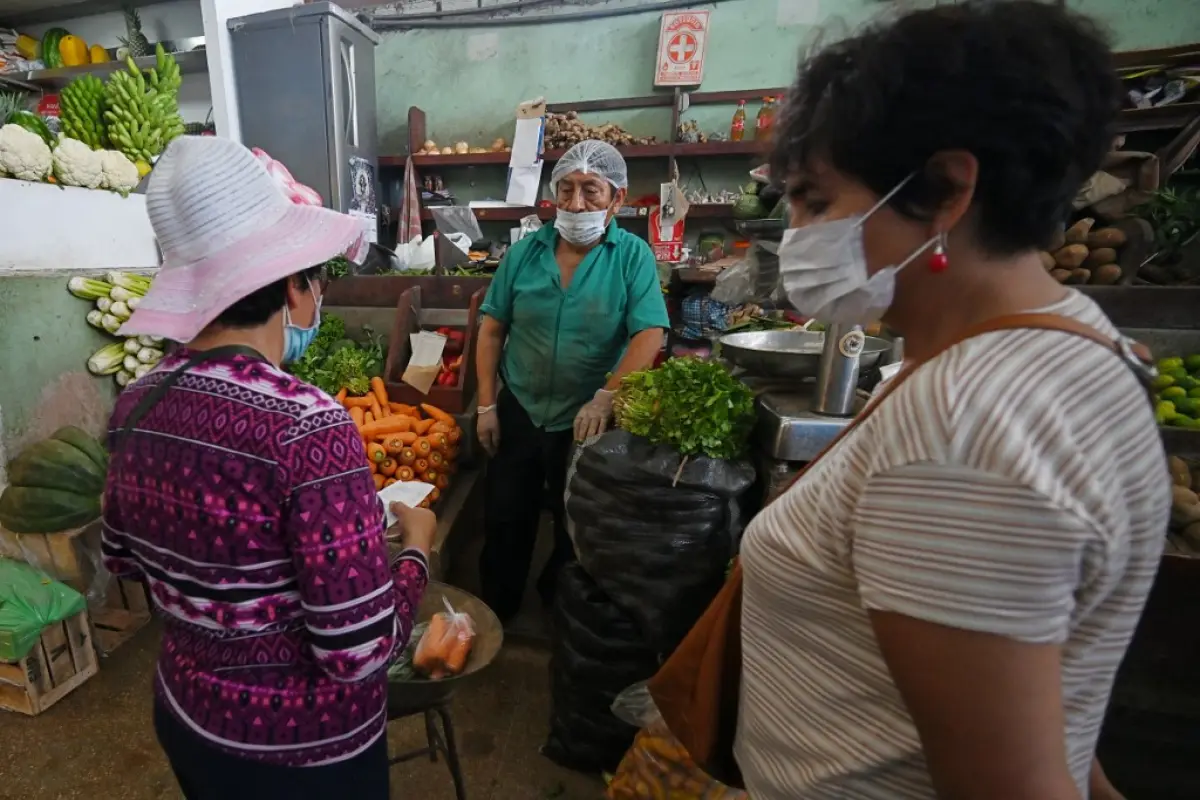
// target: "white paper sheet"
[[410, 493], [527, 143], [523, 185]]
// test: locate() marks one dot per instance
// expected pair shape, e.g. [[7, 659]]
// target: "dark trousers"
[[205, 773], [529, 462]]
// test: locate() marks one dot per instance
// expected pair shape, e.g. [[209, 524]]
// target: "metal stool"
[[442, 741]]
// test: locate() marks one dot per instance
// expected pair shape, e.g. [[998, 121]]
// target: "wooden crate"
[[411, 316], [62, 659], [71, 557], [126, 611]]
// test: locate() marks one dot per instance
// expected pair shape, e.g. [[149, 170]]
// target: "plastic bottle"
[[737, 131], [765, 119]]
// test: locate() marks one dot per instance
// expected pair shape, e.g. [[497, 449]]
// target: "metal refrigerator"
[[306, 95]]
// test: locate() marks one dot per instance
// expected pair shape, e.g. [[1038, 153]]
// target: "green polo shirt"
[[562, 345]]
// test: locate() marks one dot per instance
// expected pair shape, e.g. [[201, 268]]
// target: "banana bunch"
[[165, 77], [143, 119], [81, 111]]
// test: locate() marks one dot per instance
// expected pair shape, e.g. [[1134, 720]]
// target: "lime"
[[1194, 392], [1162, 382], [1169, 364], [1192, 363], [1179, 374], [1172, 392], [1188, 382]]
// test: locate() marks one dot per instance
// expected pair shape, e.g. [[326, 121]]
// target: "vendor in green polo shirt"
[[572, 309]]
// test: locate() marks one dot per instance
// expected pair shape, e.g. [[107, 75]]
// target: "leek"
[[150, 341], [120, 294], [130, 363], [104, 304], [142, 370], [88, 288], [133, 302], [108, 360], [94, 318], [110, 324], [137, 284], [124, 378]]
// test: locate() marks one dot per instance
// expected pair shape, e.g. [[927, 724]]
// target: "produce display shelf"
[[665, 150], [518, 213], [190, 62]]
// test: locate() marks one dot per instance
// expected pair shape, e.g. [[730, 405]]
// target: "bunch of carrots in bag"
[[445, 645], [403, 442]]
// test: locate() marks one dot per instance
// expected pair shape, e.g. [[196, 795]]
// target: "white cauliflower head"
[[120, 174], [23, 154], [76, 164]]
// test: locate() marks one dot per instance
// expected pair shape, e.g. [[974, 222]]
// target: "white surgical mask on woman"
[[581, 227], [823, 268]]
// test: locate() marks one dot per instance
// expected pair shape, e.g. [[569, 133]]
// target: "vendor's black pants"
[[205, 773], [529, 462]]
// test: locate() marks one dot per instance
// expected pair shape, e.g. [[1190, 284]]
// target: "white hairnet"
[[594, 158]]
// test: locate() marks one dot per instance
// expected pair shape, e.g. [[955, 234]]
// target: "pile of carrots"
[[403, 442]]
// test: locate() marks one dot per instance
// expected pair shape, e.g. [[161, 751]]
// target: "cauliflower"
[[76, 164], [23, 154], [120, 174]]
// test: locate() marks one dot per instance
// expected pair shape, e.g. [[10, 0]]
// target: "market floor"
[[98, 743]]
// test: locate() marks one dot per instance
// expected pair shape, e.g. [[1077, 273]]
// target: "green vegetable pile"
[[333, 362], [1177, 392], [694, 406]]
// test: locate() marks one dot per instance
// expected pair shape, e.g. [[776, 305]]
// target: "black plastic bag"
[[597, 653], [657, 539]]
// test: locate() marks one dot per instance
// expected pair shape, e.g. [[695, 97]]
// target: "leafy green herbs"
[[337, 267], [332, 361], [695, 406]]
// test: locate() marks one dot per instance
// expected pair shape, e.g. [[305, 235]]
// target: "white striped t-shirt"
[[1016, 485]]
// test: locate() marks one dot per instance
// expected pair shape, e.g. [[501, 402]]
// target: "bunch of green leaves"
[[333, 362], [337, 267], [1174, 213], [692, 405]]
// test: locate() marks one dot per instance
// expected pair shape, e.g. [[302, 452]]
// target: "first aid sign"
[[682, 44]]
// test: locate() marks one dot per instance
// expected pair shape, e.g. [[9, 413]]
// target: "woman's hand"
[[418, 527]]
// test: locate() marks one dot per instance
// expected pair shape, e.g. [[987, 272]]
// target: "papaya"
[[56, 465], [36, 510]]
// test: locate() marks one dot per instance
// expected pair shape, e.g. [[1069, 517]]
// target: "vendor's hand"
[[592, 419], [487, 428], [418, 527]]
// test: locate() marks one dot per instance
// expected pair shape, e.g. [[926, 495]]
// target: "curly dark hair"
[[1029, 88]]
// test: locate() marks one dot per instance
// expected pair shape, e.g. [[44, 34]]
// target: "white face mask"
[[823, 268], [581, 227]]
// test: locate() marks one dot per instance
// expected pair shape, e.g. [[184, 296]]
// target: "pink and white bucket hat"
[[226, 229]]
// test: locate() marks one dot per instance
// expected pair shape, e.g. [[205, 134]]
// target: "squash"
[[73, 51], [55, 484]]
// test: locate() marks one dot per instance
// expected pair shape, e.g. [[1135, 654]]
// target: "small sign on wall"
[[682, 45]]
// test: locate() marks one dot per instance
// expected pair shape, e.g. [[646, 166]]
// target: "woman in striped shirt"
[[939, 606]]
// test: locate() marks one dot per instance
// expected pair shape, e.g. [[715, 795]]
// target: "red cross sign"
[[682, 42]]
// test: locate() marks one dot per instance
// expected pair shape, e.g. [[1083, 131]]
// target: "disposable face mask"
[[296, 339], [580, 227], [823, 268]]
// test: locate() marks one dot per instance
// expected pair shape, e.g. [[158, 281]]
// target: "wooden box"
[[71, 557], [126, 611], [412, 315], [62, 659]]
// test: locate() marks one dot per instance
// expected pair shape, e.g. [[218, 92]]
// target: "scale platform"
[[787, 428]]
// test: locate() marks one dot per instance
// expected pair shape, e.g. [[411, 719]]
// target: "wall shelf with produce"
[[190, 62]]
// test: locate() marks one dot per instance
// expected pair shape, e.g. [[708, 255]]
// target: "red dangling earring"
[[938, 262]]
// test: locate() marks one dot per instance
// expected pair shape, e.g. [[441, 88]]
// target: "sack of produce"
[[597, 653], [658, 766], [655, 529]]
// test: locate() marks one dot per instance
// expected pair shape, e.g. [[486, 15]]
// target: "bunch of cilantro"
[[692, 405], [333, 362]]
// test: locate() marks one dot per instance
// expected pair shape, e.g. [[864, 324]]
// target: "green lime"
[[1179, 374], [1188, 406], [1192, 363], [1171, 392], [1169, 364], [1164, 412], [1162, 382], [1194, 392], [1188, 382]]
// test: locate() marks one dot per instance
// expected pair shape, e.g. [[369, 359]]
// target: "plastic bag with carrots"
[[443, 649]]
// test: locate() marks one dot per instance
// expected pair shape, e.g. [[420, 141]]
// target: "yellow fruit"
[[74, 51], [143, 168], [98, 54], [27, 46]]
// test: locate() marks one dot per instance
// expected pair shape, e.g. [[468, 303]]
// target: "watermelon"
[[49, 50], [55, 484]]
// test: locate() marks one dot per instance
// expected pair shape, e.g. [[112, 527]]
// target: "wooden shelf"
[[191, 61], [665, 150], [518, 213]]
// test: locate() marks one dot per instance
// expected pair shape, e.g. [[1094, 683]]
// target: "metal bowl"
[[408, 696], [788, 354]]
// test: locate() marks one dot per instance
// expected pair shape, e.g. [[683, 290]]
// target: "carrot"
[[356, 414], [440, 427], [375, 408], [380, 390], [428, 656], [404, 473], [420, 466], [393, 445], [453, 436], [422, 447], [406, 410], [426, 503], [358, 402], [374, 467], [341, 396], [437, 414], [439, 442], [379, 480], [422, 426], [383, 427], [434, 494], [430, 477], [460, 648], [376, 453], [389, 482], [436, 460], [368, 418], [408, 457], [388, 467], [442, 482]]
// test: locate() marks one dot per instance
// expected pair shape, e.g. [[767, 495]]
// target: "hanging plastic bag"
[[657, 765], [443, 649]]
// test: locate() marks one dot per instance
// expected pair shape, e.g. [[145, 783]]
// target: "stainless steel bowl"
[[788, 354]]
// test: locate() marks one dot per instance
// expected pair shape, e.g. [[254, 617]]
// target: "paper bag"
[[425, 363]]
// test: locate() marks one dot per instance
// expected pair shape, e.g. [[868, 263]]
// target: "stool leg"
[[431, 736], [460, 791]]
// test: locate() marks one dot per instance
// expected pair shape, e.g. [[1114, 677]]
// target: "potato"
[[1106, 275], [1047, 260], [1106, 237], [1058, 240], [447, 151], [430, 144], [1059, 274], [1099, 256], [1079, 276], [498, 144], [1181, 474], [1078, 233], [1185, 506], [1071, 256]]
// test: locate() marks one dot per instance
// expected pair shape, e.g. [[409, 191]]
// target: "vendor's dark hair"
[[258, 307], [1029, 88]]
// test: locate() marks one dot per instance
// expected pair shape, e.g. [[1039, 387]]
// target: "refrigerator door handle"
[[346, 53]]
